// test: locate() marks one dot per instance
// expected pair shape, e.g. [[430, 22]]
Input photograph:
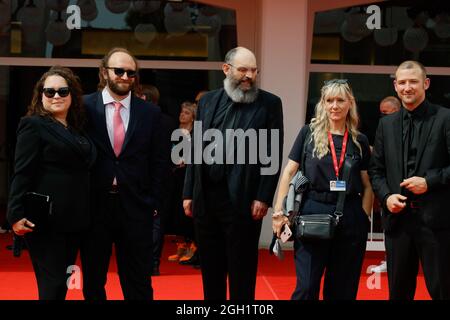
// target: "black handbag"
[[316, 226], [38, 209], [323, 226]]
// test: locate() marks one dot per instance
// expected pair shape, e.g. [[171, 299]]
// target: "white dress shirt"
[[109, 112], [109, 115]]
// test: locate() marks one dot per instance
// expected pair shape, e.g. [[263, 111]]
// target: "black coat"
[[432, 163], [48, 160], [245, 182], [142, 163]]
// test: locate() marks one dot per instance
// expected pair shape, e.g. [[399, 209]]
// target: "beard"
[[119, 88], [238, 95]]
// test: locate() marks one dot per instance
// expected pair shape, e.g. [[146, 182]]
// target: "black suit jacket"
[[48, 160], [142, 163], [245, 181], [432, 163]]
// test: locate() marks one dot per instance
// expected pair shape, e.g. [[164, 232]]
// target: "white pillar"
[[282, 57]]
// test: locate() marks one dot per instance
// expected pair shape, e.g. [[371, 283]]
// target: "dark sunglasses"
[[62, 92], [333, 81], [121, 71]]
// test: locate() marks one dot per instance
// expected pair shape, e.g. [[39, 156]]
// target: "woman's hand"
[[278, 221], [22, 226], [187, 206]]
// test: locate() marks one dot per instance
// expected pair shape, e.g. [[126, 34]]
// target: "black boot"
[[155, 271]]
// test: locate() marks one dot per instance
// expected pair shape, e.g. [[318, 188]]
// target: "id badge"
[[337, 185]]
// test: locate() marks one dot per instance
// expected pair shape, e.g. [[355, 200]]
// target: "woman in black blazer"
[[53, 158]]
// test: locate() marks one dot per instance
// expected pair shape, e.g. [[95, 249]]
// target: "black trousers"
[[409, 244], [340, 258], [228, 248], [133, 253], [158, 239], [51, 255]]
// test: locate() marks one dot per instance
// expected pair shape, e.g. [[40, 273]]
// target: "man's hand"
[[187, 206], [22, 226], [416, 185], [259, 209], [395, 203], [278, 221]]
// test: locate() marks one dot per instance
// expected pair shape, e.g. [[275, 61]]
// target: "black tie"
[[408, 142]]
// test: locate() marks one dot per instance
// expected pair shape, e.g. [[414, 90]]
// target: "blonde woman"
[[183, 225], [333, 129]]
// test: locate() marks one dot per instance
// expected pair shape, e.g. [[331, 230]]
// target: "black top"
[[412, 127], [83, 143], [320, 171], [224, 118], [223, 111]]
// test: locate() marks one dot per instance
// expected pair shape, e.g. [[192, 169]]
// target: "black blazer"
[[245, 181], [433, 163], [48, 160], [142, 163]]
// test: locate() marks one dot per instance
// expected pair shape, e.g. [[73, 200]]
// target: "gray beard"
[[236, 94]]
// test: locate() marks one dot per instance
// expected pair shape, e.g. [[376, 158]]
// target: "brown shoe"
[[181, 251], [189, 254]]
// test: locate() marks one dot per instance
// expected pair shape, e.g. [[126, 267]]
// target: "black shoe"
[[17, 252], [155, 271], [17, 246]]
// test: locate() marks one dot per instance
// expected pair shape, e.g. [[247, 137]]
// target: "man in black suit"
[[410, 173], [228, 199], [126, 180]]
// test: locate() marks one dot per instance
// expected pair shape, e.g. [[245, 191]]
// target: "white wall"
[[282, 51]]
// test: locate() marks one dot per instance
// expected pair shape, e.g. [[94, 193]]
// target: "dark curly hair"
[[76, 116]]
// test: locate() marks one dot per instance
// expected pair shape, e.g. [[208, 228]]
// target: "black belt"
[[328, 197], [114, 189]]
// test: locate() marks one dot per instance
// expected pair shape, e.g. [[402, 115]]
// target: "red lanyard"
[[333, 152]]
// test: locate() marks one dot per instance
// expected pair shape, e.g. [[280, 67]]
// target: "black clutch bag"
[[316, 226], [38, 209]]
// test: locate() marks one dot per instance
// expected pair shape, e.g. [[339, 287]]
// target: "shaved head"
[[238, 51]]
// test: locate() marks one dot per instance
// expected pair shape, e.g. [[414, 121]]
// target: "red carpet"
[[276, 279]]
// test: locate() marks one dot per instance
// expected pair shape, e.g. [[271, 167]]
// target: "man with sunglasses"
[[126, 180], [228, 201]]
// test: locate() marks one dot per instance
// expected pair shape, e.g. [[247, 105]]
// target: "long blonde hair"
[[320, 124]]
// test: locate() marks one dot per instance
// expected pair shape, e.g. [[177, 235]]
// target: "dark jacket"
[[142, 163], [48, 160], [432, 163], [245, 182]]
